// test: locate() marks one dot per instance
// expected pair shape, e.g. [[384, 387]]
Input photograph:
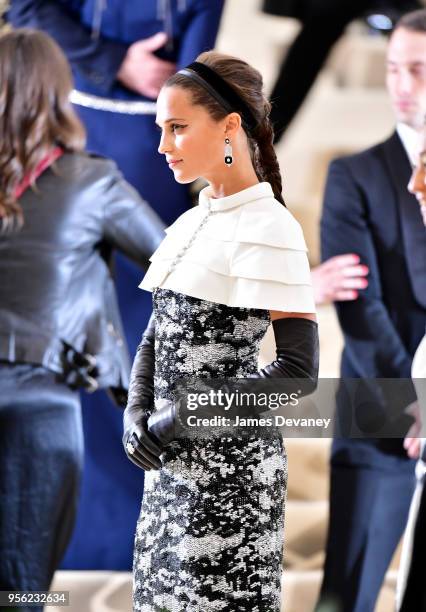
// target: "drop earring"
[[228, 152]]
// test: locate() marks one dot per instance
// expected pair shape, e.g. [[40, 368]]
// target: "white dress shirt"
[[411, 142]]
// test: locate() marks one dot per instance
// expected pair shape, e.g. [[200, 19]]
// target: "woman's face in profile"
[[191, 140], [417, 184]]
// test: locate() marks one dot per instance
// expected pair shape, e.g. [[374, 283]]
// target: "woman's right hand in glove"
[[140, 445]]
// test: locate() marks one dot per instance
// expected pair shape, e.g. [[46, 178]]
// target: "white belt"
[[113, 106]]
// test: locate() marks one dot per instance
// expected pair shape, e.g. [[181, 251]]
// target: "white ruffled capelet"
[[249, 252]]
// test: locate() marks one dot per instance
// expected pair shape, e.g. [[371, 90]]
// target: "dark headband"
[[221, 91]]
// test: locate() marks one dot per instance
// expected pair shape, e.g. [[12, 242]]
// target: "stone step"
[[308, 468], [305, 534], [301, 588], [105, 591]]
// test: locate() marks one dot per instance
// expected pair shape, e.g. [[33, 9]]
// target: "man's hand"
[[412, 441], [423, 211], [142, 71], [338, 279]]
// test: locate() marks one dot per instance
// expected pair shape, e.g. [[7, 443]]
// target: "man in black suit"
[[368, 210]]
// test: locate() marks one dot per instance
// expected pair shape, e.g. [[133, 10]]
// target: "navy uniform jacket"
[[95, 39], [368, 210]]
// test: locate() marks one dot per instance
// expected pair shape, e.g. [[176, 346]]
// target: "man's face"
[[406, 76]]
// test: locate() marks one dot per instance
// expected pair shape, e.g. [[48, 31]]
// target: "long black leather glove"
[[297, 352], [141, 447], [297, 357]]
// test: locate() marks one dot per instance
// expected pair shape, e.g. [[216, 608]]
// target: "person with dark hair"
[[323, 23], [210, 533], [368, 208], [411, 585], [62, 211], [121, 52]]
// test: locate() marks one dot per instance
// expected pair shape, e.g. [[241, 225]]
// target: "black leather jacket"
[[58, 306]]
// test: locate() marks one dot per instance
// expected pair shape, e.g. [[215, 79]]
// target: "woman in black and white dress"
[[210, 533]]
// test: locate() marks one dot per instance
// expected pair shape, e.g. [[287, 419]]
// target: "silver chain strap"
[[185, 248]]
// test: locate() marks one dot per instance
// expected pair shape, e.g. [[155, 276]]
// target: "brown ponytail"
[[264, 157], [248, 83]]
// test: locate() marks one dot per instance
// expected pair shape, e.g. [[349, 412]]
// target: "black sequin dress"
[[210, 533]]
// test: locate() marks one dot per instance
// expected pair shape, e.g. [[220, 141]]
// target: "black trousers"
[[415, 590], [369, 506], [41, 452], [324, 22]]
